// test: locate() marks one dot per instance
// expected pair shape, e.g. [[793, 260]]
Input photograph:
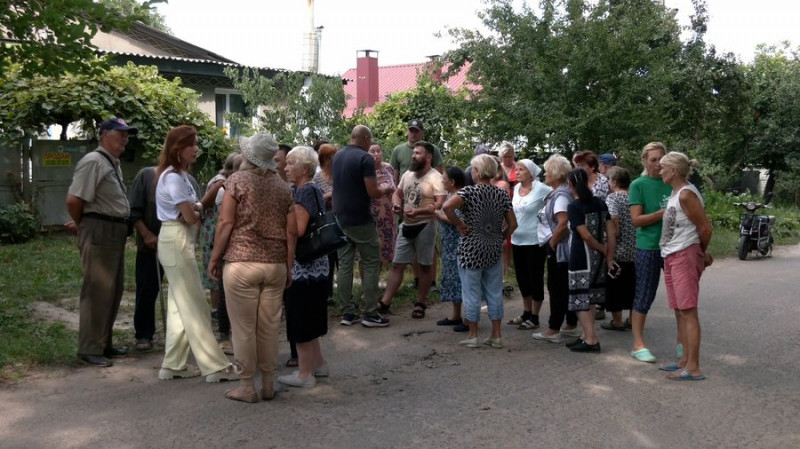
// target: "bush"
[[17, 223]]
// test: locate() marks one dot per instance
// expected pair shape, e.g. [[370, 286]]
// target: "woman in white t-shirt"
[[685, 235], [188, 323], [528, 252]]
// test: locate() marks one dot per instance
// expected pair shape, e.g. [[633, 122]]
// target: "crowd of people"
[[597, 241]]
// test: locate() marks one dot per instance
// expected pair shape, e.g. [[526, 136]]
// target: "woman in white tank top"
[[685, 236]]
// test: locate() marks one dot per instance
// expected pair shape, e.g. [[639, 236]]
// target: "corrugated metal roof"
[[178, 58], [399, 78]]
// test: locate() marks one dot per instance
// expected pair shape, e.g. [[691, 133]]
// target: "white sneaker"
[[555, 338], [294, 380], [169, 374], [230, 372]]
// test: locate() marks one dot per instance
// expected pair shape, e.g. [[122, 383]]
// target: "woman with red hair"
[[179, 210]]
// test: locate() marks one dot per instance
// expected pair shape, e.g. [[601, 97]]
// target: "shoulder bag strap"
[[113, 168]]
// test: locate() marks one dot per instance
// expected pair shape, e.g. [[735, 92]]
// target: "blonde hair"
[[680, 162], [558, 166], [305, 157], [650, 147], [485, 166]]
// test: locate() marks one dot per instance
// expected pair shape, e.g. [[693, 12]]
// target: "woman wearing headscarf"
[[306, 298], [188, 323], [684, 246], [484, 208], [256, 236], [528, 252]]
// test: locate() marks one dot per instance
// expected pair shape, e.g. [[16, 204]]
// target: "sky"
[[270, 33]]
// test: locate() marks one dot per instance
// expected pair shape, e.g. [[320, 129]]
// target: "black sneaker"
[[574, 343], [349, 319], [585, 347], [374, 321]]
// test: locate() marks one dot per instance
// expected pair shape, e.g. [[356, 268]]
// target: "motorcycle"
[[755, 230]]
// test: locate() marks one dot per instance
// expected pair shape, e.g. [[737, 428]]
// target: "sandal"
[[528, 325], [291, 363], [419, 310]]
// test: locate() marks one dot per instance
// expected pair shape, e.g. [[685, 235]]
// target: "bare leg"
[[586, 320], [395, 278], [425, 278], [473, 329], [527, 304], [537, 306], [495, 329], [456, 311], [305, 360], [637, 324], [691, 339], [317, 358], [616, 319]]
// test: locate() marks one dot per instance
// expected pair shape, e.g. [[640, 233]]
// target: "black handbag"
[[323, 235]]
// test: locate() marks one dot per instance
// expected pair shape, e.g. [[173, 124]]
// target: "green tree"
[[140, 10], [774, 134], [573, 74], [294, 107], [51, 38], [138, 93]]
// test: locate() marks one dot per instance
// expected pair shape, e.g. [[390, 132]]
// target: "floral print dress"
[[383, 215]]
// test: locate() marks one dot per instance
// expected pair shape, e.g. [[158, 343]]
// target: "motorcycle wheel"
[[744, 247], [767, 251]]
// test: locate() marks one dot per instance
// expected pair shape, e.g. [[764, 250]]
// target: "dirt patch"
[[67, 310]]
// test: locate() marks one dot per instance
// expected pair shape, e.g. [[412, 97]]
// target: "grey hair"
[[505, 148], [680, 162], [558, 166], [305, 157], [485, 166]]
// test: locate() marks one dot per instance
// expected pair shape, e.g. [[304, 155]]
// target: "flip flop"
[[671, 367], [685, 375], [643, 355]]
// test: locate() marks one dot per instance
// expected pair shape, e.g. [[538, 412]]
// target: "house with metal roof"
[[199, 69]]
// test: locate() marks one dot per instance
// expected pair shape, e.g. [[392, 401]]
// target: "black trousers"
[[529, 261], [558, 288]]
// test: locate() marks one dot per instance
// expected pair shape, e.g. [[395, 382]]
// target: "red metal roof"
[[399, 78]]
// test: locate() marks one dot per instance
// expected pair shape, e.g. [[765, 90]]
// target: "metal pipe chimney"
[[311, 41]]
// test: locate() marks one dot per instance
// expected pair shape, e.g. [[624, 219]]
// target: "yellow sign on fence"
[[56, 159]]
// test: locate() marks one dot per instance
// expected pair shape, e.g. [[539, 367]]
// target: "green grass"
[[44, 269]]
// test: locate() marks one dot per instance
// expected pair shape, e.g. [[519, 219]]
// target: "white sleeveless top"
[[678, 232]]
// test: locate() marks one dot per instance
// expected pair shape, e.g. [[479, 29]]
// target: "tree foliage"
[[50, 38], [574, 74], [294, 107], [140, 10], [137, 93]]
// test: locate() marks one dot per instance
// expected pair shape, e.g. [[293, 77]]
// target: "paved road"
[[410, 385]]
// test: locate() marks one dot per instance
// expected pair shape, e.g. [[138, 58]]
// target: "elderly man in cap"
[[98, 205], [606, 161], [401, 155]]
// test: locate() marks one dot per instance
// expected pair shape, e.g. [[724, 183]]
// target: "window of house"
[[228, 101]]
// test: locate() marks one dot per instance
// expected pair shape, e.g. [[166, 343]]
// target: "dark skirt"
[[307, 310]]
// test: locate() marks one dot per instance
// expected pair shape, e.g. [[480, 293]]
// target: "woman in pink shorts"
[[685, 235]]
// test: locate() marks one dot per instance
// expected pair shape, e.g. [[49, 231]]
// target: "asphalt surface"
[[411, 385]]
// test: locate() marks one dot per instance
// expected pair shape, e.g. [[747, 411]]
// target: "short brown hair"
[[325, 153]]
